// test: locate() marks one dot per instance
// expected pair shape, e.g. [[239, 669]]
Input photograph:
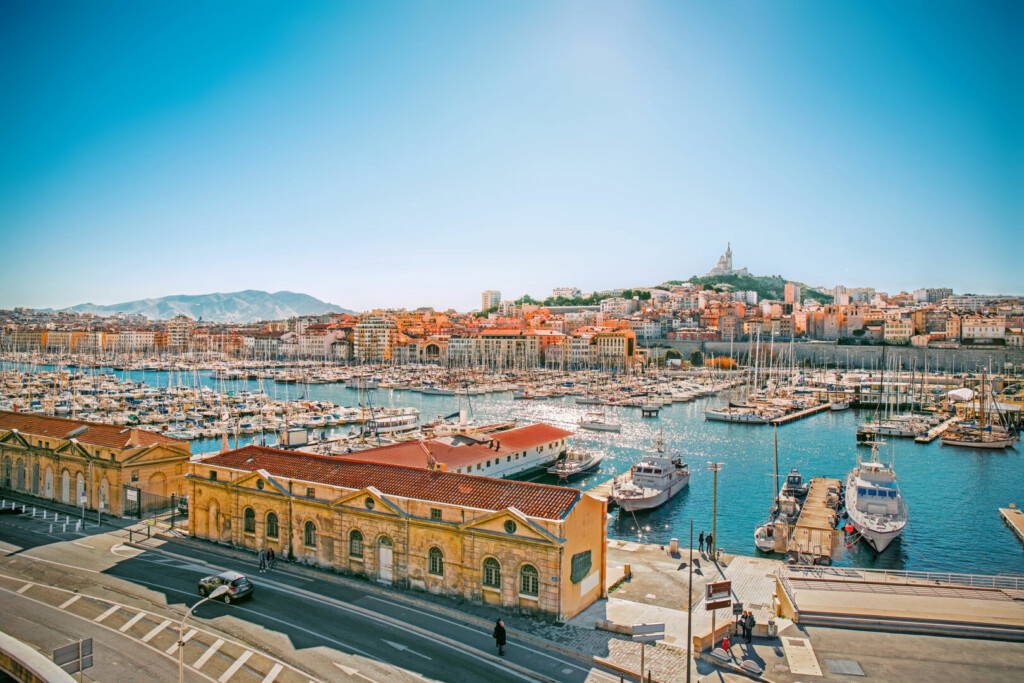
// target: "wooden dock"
[[1014, 518], [935, 431], [814, 536], [800, 414]]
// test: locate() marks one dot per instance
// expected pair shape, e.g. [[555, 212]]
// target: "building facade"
[[102, 467], [529, 547]]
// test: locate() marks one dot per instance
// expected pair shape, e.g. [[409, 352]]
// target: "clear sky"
[[416, 153]]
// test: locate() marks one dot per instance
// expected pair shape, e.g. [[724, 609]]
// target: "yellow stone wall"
[[465, 536]]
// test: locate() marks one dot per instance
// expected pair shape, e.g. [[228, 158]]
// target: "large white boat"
[[576, 462], [597, 421], [651, 481], [732, 414], [874, 503]]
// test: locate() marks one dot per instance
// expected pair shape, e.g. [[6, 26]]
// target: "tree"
[[696, 359]]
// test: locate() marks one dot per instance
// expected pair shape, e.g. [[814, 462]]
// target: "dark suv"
[[238, 586]]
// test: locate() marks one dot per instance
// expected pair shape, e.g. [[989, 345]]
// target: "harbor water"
[[953, 494]]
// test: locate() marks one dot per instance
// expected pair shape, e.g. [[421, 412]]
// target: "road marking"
[[110, 610], [234, 667], [269, 678], [156, 629], [210, 651], [349, 671], [405, 648], [70, 601], [83, 545], [24, 588], [185, 639], [131, 622]]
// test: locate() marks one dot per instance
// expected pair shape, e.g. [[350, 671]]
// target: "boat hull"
[[649, 503]]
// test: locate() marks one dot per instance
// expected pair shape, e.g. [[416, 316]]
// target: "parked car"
[[183, 506], [238, 586]]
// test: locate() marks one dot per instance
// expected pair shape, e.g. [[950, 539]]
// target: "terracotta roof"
[[535, 500], [95, 433], [411, 454]]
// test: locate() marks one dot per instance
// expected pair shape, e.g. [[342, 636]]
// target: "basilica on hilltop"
[[724, 265]]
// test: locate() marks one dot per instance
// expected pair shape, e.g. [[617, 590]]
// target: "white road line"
[[234, 667], [210, 651], [156, 629], [24, 588], [70, 601], [110, 610], [269, 678], [131, 622], [83, 545], [187, 637]]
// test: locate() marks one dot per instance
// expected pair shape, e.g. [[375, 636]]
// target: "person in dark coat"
[[700, 541], [263, 560], [709, 542], [270, 558], [749, 622], [499, 636]]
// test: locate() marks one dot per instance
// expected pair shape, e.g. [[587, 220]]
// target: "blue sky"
[[416, 153]]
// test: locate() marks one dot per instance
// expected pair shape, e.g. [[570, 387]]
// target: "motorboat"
[[732, 414], [795, 485], [575, 463], [650, 482], [874, 503]]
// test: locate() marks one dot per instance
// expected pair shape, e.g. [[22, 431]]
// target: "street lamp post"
[[215, 593], [715, 467]]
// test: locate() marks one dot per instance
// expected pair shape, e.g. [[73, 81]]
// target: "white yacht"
[[731, 414], [597, 421], [874, 503], [651, 481]]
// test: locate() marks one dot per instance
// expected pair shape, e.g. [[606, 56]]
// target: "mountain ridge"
[[249, 305]]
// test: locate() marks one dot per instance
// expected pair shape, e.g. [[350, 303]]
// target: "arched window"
[[355, 543], [65, 486], [7, 472], [529, 580], [19, 475], [272, 531], [309, 534], [48, 491], [249, 521], [79, 489], [492, 573], [435, 562]]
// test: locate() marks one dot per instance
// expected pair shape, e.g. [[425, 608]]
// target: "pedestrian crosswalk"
[[208, 655]]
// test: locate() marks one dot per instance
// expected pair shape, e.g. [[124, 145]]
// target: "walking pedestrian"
[[499, 637], [700, 541], [271, 557], [263, 560], [750, 622]]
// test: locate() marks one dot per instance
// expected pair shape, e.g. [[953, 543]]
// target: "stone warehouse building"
[[524, 546], [114, 469]]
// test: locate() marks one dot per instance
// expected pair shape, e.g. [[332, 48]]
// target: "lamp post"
[[215, 593], [715, 467]]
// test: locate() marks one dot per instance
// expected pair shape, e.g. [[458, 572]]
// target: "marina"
[[821, 445], [1014, 518]]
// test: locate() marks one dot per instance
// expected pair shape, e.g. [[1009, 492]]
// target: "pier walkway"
[[800, 414], [1014, 518], [935, 431], [815, 537]]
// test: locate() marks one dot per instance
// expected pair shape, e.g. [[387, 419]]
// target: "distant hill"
[[232, 307], [767, 287]]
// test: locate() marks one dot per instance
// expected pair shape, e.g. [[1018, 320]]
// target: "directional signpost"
[[718, 595], [74, 658], [647, 633]]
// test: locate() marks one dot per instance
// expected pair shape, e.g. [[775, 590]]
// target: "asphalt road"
[[330, 631]]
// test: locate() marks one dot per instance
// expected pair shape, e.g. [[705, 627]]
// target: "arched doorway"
[[104, 494], [5, 480], [213, 521], [35, 478], [385, 560], [48, 485], [19, 475], [79, 490], [158, 484], [65, 487]]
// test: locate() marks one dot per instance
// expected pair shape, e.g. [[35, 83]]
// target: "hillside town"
[[610, 333]]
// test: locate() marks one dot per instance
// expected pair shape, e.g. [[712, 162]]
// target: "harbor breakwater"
[[963, 359]]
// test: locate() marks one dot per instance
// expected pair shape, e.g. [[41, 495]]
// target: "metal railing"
[[996, 581]]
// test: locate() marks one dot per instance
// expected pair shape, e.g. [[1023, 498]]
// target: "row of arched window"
[[529, 578], [13, 474]]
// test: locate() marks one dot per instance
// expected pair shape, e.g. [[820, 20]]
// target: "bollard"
[[51, 527], [33, 513], [65, 529], [78, 526]]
